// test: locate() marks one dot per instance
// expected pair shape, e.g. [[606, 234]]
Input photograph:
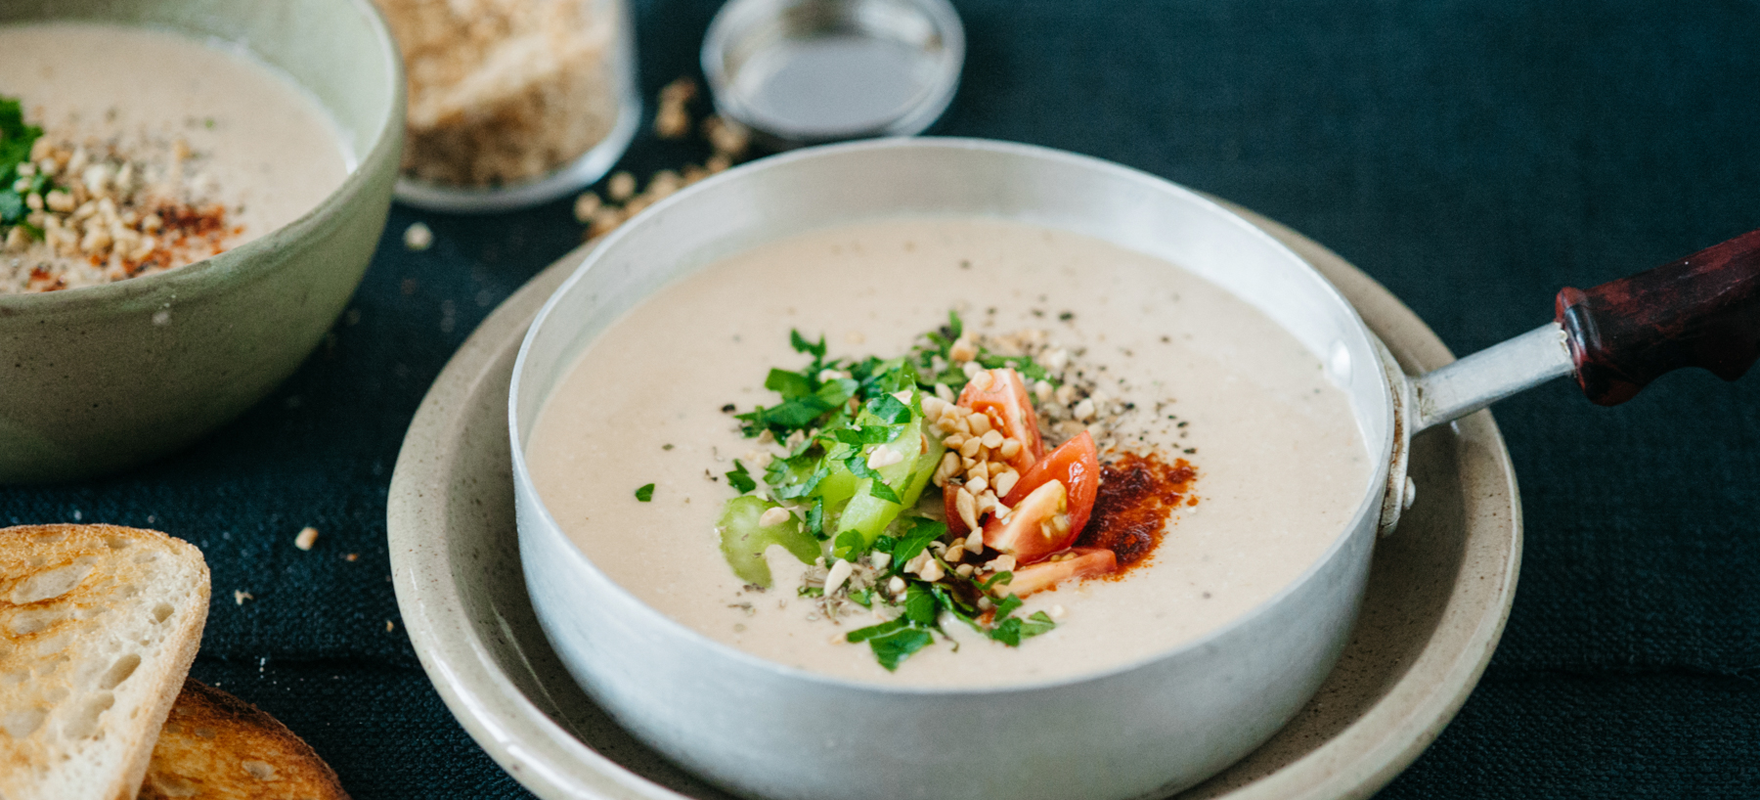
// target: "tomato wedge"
[[1005, 401], [1035, 528], [1077, 465], [1081, 562]]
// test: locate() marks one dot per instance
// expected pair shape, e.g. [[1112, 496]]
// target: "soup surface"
[[1280, 464], [201, 119]]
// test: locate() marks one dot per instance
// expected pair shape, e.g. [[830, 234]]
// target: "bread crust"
[[215, 745], [63, 587]]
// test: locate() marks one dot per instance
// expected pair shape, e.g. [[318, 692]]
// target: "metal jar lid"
[[809, 71]]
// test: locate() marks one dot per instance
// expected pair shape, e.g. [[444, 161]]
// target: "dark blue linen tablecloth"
[[1472, 156]]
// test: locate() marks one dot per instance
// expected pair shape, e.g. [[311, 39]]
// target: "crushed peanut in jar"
[[505, 91]]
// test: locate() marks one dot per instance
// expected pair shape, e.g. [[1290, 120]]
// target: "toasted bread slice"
[[218, 747], [98, 625]]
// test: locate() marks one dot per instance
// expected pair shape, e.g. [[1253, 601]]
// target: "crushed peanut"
[[122, 206], [504, 92], [620, 187], [418, 237], [773, 516], [624, 197], [884, 456], [673, 118], [838, 573]]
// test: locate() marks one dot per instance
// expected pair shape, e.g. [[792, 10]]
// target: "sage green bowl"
[[100, 378]]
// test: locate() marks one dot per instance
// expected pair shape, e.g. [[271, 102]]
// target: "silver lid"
[[809, 71]]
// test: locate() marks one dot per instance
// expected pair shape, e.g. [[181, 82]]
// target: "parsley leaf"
[[795, 476], [1007, 606], [12, 208], [888, 409], [879, 489], [789, 384], [1036, 624], [944, 336], [16, 139], [801, 345], [922, 532], [893, 648], [1012, 630], [860, 635], [1000, 578], [847, 544], [816, 519], [865, 369], [838, 391], [954, 604], [739, 479], [793, 414], [871, 434], [895, 375], [858, 465], [645, 493], [920, 605], [895, 641], [1007, 632], [1028, 368]]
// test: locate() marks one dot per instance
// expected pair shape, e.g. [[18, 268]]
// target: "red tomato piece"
[[1035, 528], [1077, 465], [1005, 401], [1081, 562]]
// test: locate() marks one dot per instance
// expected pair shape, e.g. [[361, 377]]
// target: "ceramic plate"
[[1439, 589]]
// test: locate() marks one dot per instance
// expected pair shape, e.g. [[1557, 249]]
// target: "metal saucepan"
[[1141, 730]]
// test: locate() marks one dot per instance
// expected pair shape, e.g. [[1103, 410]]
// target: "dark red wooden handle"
[[1700, 311]]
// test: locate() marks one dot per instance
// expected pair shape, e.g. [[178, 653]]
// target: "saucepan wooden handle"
[[1700, 311]]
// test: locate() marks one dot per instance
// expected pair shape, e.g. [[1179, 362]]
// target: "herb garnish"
[[739, 479], [925, 602], [645, 493], [16, 139], [939, 353], [859, 451]]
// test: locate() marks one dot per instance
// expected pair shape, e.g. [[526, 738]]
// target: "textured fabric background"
[[1472, 156]]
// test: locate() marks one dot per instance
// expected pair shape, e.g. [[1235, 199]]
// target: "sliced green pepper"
[[868, 514], [744, 539]]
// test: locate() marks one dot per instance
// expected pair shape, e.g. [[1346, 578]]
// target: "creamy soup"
[[1280, 464], [202, 115]]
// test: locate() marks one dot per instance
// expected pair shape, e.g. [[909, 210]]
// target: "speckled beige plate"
[[1439, 589]]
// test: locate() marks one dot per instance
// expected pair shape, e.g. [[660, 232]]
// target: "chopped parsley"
[[739, 479], [895, 640], [939, 353], [894, 646], [645, 493], [16, 139]]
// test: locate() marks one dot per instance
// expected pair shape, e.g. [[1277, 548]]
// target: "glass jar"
[[512, 102]]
